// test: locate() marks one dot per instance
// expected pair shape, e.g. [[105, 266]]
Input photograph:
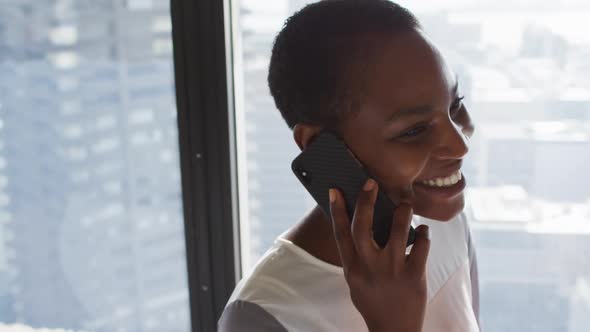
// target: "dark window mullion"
[[205, 129]]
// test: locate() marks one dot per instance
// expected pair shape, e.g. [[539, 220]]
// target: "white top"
[[289, 289]]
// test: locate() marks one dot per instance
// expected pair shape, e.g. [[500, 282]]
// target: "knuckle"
[[397, 232]]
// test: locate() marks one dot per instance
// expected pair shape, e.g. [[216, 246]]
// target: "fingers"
[[398, 236], [417, 259], [341, 227], [362, 223]]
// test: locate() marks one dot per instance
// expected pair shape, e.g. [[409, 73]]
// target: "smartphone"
[[328, 163]]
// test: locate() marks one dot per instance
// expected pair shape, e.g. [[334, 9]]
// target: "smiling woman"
[[519, 69], [382, 86]]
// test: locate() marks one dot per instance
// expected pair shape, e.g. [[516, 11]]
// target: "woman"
[[365, 70]]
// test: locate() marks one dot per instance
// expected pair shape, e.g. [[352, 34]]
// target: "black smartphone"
[[328, 163]]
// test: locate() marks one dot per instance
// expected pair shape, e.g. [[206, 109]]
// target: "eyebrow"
[[419, 110]]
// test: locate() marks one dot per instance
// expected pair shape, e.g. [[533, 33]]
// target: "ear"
[[304, 134]]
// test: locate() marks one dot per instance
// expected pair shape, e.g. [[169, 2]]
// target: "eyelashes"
[[421, 128], [414, 131], [456, 106]]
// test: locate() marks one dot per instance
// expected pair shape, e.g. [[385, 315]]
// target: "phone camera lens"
[[304, 175]]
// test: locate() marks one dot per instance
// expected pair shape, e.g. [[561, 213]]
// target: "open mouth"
[[445, 182], [444, 187]]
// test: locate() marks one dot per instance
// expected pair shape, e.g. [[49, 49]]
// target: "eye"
[[414, 131], [456, 106]]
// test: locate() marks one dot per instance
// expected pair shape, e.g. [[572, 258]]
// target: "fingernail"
[[332, 194], [369, 185]]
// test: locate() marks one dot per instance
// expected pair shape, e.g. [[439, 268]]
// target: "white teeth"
[[445, 182]]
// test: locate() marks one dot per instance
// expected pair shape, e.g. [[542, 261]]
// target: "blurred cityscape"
[[91, 227], [524, 67]]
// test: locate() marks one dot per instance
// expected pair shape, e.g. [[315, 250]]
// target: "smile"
[[444, 182]]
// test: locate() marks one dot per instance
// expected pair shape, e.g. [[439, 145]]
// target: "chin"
[[440, 211]]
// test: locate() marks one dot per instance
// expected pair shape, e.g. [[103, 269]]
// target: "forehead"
[[408, 71]]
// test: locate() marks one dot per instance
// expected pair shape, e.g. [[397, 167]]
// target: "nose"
[[453, 143]]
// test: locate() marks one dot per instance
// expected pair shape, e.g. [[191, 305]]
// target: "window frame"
[[203, 67]]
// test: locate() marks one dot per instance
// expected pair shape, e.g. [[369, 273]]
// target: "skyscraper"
[[91, 153]]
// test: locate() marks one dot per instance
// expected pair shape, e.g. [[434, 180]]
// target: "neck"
[[314, 234]]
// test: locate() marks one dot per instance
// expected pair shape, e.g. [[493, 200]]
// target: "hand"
[[387, 286]]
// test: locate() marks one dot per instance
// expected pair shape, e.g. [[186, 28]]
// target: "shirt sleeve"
[[244, 316]]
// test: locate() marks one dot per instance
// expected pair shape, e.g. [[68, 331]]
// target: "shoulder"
[[263, 282], [247, 316], [284, 289], [248, 307], [283, 274]]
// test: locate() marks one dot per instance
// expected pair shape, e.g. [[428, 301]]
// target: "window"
[[141, 116], [72, 131], [63, 35], [106, 144], [72, 220], [161, 24], [106, 121], [524, 69]]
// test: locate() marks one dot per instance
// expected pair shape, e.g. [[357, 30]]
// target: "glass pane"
[[91, 224], [272, 199], [523, 67]]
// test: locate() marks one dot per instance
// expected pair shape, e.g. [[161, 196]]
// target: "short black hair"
[[320, 49]]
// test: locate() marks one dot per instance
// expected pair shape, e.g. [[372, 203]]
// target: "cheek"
[[398, 169]]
